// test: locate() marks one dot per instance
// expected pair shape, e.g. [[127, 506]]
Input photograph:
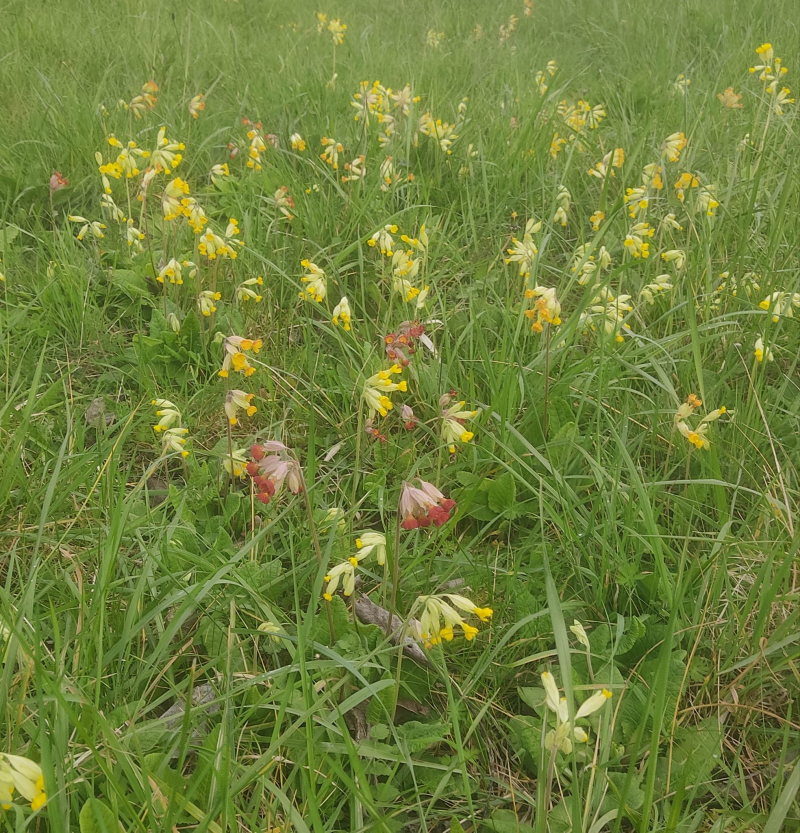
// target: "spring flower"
[[236, 349], [370, 541], [344, 573], [651, 176], [706, 202], [331, 152], [24, 776], [681, 84], [649, 292], [298, 142], [546, 307], [566, 731], [342, 310], [257, 147], [282, 200], [173, 436], [453, 418], [57, 182], [317, 287], [675, 256], [197, 105], [355, 169], [172, 200], [635, 243], [636, 199], [423, 505], [580, 633], [140, 104], [696, 436], [172, 270], [673, 145], [405, 266], [669, 222], [94, 227], [235, 464], [684, 182], [781, 303], [523, 252], [236, 400], [173, 440], [771, 68], [174, 323], [166, 156], [760, 352], [196, 216], [782, 99], [213, 245], [434, 38], [205, 301], [322, 22], [383, 241], [728, 98], [337, 30], [219, 171], [596, 219], [556, 145], [244, 292], [407, 415], [439, 617], [607, 311], [613, 159], [271, 466], [134, 237], [376, 388], [167, 412]]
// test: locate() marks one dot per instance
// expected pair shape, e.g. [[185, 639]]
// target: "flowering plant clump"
[[272, 465], [423, 505]]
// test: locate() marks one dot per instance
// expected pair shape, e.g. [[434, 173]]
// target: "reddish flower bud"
[[252, 468], [257, 452], [409, 523], [263, 497]]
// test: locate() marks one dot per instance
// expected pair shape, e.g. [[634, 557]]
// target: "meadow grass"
[[168, 657]]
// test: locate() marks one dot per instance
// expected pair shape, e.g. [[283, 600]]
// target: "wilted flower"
[[439, 617], [728, 98], [342, 311], [236, 348], [24, 776], [355, 169], [197, 105], [407, 415], [453, 418], [317, 287], [270, 467], [434, 38], [376, 388], [562, 736], [423, 505], [282, 200], [669, 222]]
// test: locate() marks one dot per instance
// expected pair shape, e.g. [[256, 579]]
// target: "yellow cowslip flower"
[[337, 30], [696, 436], [760, 352], [23, 775], [344, 573], [173, 440], [168, 414], [383, 241], [635, 243], [651, 176], [213, 245], [317, 287], [173, 270], [376, 388], [781, 304], [453, 429], [648, 293], [560, 216], [257, 147], [669, 222], [298, 142], [434, 39], [195, 215], [675, 256], [322, 22], [523, 252], [613, 159], [782, 99], [172, 200], [637, 201], [174, 323], [685, 181], [219, 171], [167, 154], [404, 265], [420, 243], [197, 105], [245, 293], [110, 210], [596, 219], [191, 268], [673, 146], [342, 311], [706, 202], [370, 541], [439, 617], [134, 236], [546, 307], [93, 227], [556, 145], [235, 464], [331, 152], [238, 400], [681, 84], [282, 200], [608, 311], [236, 348], [205, 301], [772, 68], [566, 731]]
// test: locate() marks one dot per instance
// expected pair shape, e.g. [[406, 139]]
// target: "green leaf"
[[419, 736], [129, 283], [532, 696], [506, 821], [97, 817], [191, 333], [503, 493], [697, 750]]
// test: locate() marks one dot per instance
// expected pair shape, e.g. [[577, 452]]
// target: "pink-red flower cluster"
[[271, 466], [423, 505], [400, 346]]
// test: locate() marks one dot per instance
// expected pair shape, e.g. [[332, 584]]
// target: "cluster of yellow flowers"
[[697, 436], [23, 775]]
